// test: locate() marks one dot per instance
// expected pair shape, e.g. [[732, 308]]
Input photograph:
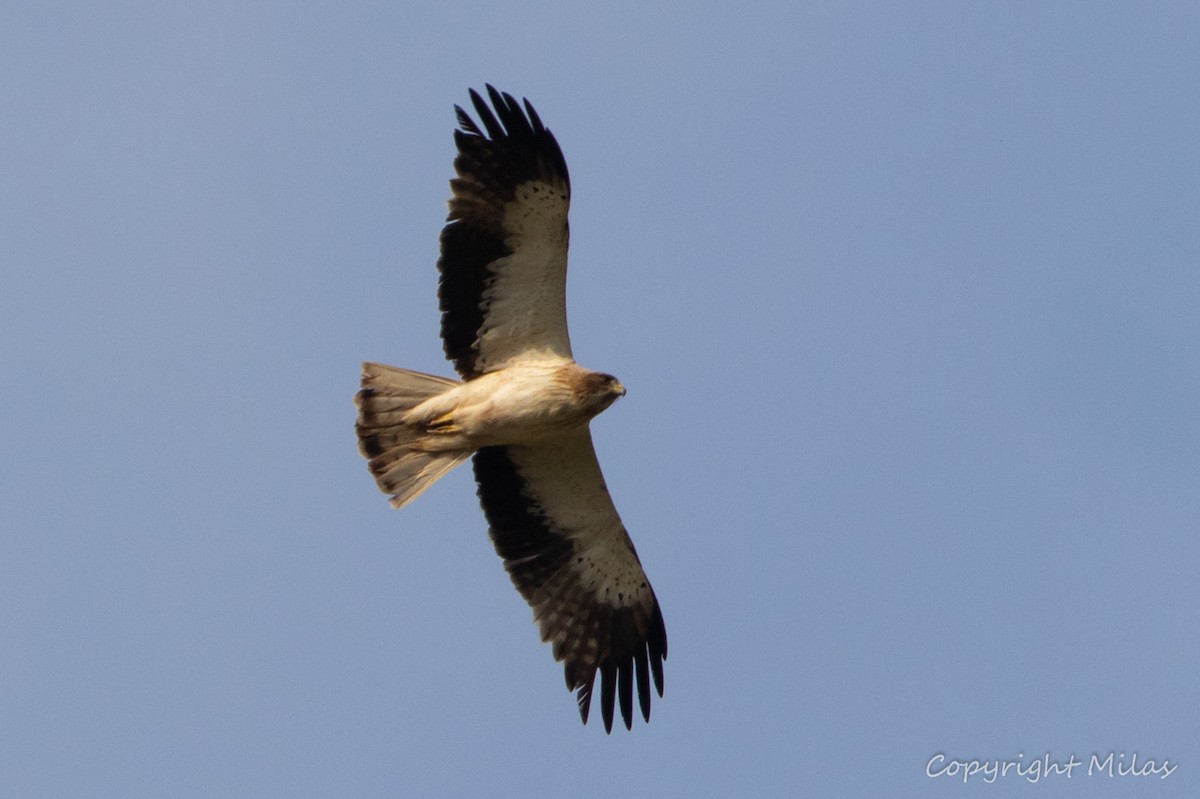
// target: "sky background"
[[905, 296]]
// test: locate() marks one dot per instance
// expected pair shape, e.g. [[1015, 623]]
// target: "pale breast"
[[522, 403]]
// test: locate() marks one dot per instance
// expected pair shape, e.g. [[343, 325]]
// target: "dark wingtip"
[[643, 683], [621, 674], [625, 686], [608, 684], [584, 697], [534, 119], [486, 117], [476, 98], [465, 122], [656, 641], [500, 100]]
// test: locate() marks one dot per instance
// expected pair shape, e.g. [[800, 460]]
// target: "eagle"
[[521, 411]]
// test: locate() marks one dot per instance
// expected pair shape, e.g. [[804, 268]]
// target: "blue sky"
[[905, 297]]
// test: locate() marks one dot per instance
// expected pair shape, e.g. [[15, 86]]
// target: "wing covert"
[[552, 520], [503, 260]]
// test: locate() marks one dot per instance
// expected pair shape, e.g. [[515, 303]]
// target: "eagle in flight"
[[521, 411]]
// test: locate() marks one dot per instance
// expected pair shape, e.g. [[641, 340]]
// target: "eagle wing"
[[503, 260], [552, 520]]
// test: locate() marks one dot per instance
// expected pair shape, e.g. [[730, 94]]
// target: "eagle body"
[[521, 411], [519, 403]]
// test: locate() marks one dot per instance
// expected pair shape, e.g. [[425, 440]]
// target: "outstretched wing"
[[564, 546], [504, 248]]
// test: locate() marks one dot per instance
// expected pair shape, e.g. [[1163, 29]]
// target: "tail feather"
[[405, 474], [401, 466]]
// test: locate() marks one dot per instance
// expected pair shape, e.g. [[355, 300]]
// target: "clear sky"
[[905, 296]]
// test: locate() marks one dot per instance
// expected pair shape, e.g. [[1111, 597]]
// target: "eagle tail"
[[402, 467]]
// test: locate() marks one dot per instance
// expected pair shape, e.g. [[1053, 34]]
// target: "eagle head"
[[597, 390]]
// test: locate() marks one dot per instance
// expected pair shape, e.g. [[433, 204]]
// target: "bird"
[[521, 411]]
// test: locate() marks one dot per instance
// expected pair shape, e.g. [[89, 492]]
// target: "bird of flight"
[[522, 411]]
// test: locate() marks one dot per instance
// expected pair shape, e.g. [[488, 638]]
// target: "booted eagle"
[[521, 411]]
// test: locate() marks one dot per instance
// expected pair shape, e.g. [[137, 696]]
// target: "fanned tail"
[[401, 466]]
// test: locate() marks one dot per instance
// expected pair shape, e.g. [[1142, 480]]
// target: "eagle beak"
[[619, 390]]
